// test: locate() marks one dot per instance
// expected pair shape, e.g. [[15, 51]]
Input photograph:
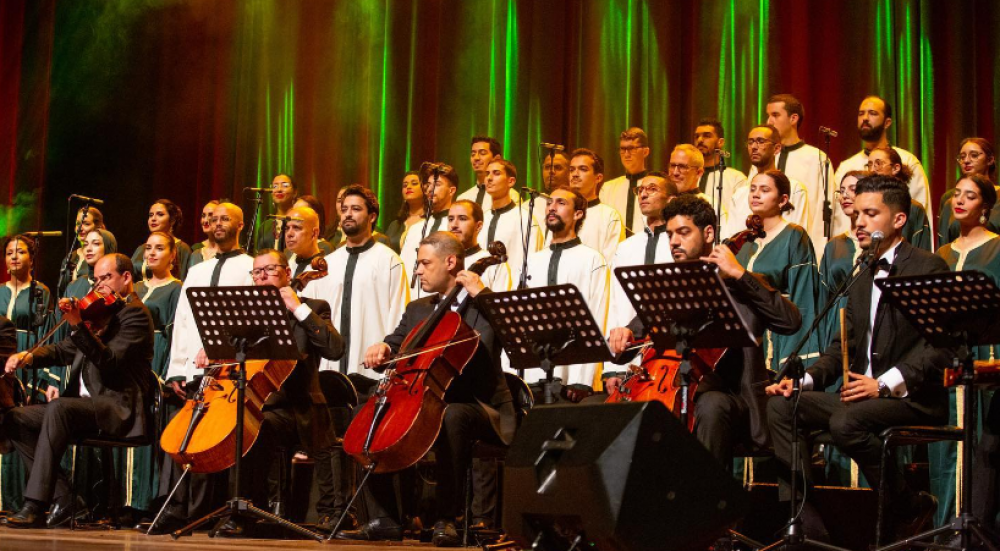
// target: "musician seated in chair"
[[107, 393], [896, 377], [729, 405], [479, 402], [297, 414]]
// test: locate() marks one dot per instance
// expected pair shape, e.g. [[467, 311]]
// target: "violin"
[[401, 420], [658, 375], [202, 434]]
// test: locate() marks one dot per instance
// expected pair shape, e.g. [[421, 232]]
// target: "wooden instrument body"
[[213, 441], [414, 392], [659, 379], [12, 393]]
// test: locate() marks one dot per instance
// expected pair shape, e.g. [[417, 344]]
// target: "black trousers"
[[854, 428], [721, 419], [463, 423], [41, 433], [985, 489], [334, 470]]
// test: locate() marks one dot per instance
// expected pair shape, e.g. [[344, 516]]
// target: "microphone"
[[722, 153], [828, 131], [877, 237], [86, 199], [42, 233], [553, 146], [264, 189]]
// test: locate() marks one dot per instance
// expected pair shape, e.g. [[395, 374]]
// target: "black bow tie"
[[882, 265]]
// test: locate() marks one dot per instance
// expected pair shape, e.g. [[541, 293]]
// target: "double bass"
[[401, 421], [202, 436], [658, 376]]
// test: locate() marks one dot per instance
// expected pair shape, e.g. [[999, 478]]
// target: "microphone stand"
[[532, 194], [718, 191], [795, 371], [827, 205], [72, 244], [257, 201]]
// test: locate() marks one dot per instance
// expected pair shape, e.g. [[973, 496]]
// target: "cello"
[[401, 421], [202, 436], [658, 376]]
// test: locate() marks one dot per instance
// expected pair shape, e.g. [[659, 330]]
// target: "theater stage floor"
[[130, 540]]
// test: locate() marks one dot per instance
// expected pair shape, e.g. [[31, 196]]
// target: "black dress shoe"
[[445, 534], [380, 529], [32, 515], [64, 510], [328, 522], [172, 519], [235, 527]]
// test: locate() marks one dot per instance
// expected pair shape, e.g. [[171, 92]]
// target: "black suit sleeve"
[[114, 358], [323, 336], [777, 312], [408, 321], [8, 337]]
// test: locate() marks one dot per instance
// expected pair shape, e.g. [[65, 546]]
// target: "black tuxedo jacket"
[[742, 370], [895, 342], [482, 380], [316, 338], [116, 367]]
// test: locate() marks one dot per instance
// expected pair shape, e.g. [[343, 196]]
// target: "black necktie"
[[652, 238], [345, 302], [222, 257]]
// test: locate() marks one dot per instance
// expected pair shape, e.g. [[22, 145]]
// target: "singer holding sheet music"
[[896, 376]]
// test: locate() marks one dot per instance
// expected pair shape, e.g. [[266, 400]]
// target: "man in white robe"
[[685, 171], [484, 151], [301, 238], [439, 186], [465, 221], [603, 230], [508, 221], [619, 193], [567, 260], [709, 139], [874, 119]]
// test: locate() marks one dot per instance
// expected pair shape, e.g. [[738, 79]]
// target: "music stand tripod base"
[[542, 327], [243, 323]]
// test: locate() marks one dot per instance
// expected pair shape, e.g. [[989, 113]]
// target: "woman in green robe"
[[975, 248], [164, 216], [839, 257], [887, 162], [19, 254], [159, 293], [975, 156], [786, 258]]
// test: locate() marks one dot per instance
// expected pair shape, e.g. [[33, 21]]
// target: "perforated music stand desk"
[[952, 310], [545, 326], [685, 299], [684, 305], [243, 323]]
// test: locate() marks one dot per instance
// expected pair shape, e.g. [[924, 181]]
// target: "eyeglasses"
[[628, 149], [677, 166], [270, 269], [223, 219], [282, 185], [650, 189], [758, 141], [877, 164], [845, 191], [972, 156]]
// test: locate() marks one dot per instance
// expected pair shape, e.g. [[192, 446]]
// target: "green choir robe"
[[839, 257], [917, 230], [14, 305], [943, 458], [139, 486], [948, 230], [788, 262]]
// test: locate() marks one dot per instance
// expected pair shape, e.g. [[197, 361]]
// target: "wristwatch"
[[883, 390]]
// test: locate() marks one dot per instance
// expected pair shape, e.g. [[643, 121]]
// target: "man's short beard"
[[351, 231], [872, 134], [557, 226]]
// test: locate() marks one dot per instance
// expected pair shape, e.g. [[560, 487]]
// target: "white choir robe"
[[632, 252], [487, 204], [602, 229], [920, 189], [511, 230], [800, 215], [806, 164], [585, 268], [379, 295], [497, 277], [732, 180], [186, 341], [615, 193], [408, 245]]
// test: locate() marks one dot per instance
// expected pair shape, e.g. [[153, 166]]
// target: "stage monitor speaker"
[[615, 477]]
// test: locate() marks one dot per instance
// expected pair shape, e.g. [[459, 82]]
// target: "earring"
[[982, 218]]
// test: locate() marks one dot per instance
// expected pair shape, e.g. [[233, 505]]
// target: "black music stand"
[[685, 305], [952, 310], [545, 326], [242, 323]]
